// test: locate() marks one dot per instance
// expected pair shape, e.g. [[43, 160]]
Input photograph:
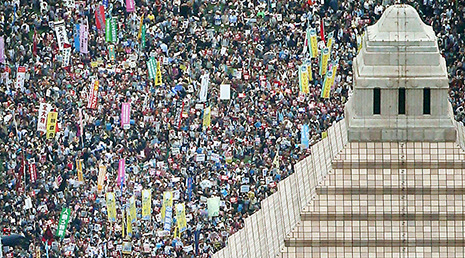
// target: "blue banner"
[[304, 139], [76, 37], [189, 188]]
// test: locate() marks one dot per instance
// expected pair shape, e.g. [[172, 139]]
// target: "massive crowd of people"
[[253, 141]]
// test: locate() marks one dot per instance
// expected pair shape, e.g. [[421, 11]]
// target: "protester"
[[250, 143]]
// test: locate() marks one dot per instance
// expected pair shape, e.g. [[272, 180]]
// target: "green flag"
[[63, 223], [152, 67], [114, 22], [143, 37]]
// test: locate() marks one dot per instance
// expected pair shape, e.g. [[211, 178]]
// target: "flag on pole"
[[111, 206], [146, 204], [322, 30], [324, 61], [313, 43], [327, 85]]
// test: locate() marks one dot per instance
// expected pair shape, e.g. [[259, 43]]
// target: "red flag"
[[34, 47], [100, 17], [322, 30]]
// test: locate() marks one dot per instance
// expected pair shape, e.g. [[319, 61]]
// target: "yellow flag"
[[175, 233], [327, 85], [304, 79], [309, 70], [79, 170], [181, 217], [158, 80], [51, 124], [207, 117], [167, 202], [146, 204], [313, 42], [111, 206]]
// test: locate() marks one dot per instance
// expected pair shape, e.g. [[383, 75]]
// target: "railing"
[[264, 231]]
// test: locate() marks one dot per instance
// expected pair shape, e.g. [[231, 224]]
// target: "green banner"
[[63, 223], [143, 37], [108, 32], [152, 67]]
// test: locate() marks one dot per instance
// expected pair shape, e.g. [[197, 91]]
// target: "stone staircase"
[[386, 200]]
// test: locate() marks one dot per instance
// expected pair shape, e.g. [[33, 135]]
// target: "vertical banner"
[[32, 172], [44, 109], [102, 171], [213, 206], [143, 37], [204, 87], [83, 38], [79, 170], [327, 85], [108, 34], [126, 115], [51, 124], [62, 36], [20, 77], [330, 42], [111, 206], [334, 68], [207, 117], [63, 222], [167, 201], [128, 223], [66, 54], [304, 79], [130, 6], [121, 171], [190, 182], [322, 30], [111, 53], [2, 50], [100, 17], [93, 95], [304, 136], [132, 209], [141, 23], [76, 35], [181, 217], [167, 221], [152, 67], [146, 204], [308, 63], [158, 80], [324, 61], [114, 29], [313, 43]]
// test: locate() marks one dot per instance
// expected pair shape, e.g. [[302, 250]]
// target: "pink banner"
[[121, 171], [2, 50], [100, 17], [126, 115], [83, 38], [130, 6]]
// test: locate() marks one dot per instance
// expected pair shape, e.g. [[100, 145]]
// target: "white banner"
[[69, 3], [60, 31], [66, 55], [204, 88], [225, 91], [44, 109], [20, 77]]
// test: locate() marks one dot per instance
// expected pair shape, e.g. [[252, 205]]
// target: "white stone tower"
[[400, 83]]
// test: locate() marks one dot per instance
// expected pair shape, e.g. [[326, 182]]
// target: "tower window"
[[401, 101], [376, 101], [427, 101]]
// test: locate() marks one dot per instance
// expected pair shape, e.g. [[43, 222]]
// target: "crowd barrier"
[[264, 231]]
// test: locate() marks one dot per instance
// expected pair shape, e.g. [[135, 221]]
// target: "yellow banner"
[[327, 85], [207, 117], [111, 206], [334, 70], [158, 80], [167, 202], [146, 204], [140, 26], [79, 170], [181, 217], [313, 42], [128, 224], [309, 70], [51, 124], [132, 209], [304, 79], [324, 61], [329, 44], [102, 171]]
